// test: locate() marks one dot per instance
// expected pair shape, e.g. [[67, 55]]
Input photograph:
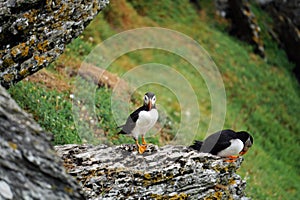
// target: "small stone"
[[5, 190]]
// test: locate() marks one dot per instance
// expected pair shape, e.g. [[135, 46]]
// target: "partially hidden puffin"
[[225, 143], [141, 121]]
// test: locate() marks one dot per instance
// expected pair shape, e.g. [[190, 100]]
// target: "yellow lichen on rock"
[[35, 34], [8, 77], [180, 196], [31, 15], [43, 46], [24, 72], [21, 49], [40, 59], [13, 145]]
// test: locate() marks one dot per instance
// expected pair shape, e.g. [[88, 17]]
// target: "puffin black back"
[[223, 141], [131, 121]]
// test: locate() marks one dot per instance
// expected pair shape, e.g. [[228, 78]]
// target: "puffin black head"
[[247, 139], [149, 100]]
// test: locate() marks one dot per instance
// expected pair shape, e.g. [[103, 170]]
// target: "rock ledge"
[[176, 172]]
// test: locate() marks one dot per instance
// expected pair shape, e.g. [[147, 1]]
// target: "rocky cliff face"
[[286, 24], [29, 167], [243, 22], [169, 172], [286, 17], [34, 33]]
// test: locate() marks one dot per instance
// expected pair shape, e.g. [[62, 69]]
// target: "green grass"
[[51, 109], [262, 95]]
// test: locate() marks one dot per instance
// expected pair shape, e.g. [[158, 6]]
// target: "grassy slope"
[[262, 96]]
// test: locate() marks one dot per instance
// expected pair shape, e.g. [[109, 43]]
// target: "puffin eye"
[[145, 98], [154, 99]]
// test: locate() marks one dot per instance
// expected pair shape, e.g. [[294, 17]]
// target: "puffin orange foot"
[[144, 141], [231, 159], [142, 148]]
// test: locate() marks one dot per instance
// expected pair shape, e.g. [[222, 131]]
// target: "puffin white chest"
[[145, 122], [235, 148]]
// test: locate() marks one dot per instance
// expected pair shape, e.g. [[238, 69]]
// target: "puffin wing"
[[130, 122], [197, 145], [218, 141]]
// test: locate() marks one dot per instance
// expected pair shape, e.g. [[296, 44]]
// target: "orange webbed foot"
[[142, 148], [144, 141], [231, 158]]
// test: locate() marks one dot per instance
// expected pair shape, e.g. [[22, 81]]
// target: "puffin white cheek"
[[146, 100], [153, 101]]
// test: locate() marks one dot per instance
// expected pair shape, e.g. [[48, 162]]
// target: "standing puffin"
[[141, 121], [225, 143]]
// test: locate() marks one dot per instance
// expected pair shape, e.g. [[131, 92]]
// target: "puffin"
[[226, 143], [141, 121]]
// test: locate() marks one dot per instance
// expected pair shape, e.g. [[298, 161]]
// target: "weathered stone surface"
[[34, 33], [120, 172], [29, 167], [243, 22]]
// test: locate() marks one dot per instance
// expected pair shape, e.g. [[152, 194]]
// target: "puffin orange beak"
[[149, 105], [243, 152]]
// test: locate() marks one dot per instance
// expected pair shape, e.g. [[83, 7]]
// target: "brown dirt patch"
[[50, 80]]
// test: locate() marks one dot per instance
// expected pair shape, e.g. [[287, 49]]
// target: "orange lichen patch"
[[68, 190], [32, 41], [24, 72], [12, 145], [25, 51], [21, 48], [60, 13], [48, 5], [31, 16], [221, 187], [95, 7], [8, 62], [40, 59], [217, 195], [43, 46], [232, 181], [180, 196], [8, 77], [50, 80], [16, 50]]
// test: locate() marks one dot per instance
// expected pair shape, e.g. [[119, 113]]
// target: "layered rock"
[[286, 24], [29, 167], [169, 172], [243, 22], [34, 33]]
